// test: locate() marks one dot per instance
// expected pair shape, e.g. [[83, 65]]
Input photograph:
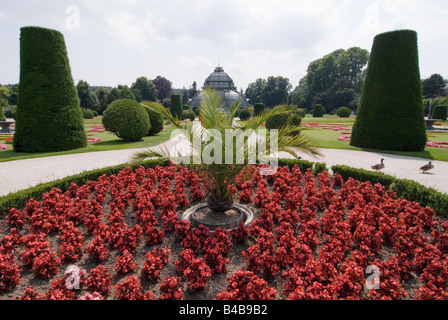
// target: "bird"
[[427, 167], [379, 167]]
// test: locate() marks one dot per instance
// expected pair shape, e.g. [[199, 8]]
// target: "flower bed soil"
[[314, 237]]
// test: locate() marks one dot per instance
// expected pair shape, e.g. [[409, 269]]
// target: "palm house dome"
[[223, 84]]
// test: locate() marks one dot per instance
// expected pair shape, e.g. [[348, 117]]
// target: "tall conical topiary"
[[49, 117], [390, 115]]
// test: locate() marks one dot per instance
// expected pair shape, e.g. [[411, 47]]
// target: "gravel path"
[[21, 174]]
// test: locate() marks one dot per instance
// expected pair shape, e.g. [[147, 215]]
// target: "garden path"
[[22, 174]]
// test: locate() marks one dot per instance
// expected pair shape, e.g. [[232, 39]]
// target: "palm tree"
[[220, 175]]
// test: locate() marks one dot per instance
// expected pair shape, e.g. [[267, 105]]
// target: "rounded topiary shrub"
[[188, 115], [301, 112], [390, 115], [48, 117], [277, 121], [440, 112], [127, 119], [88, 114], [155, 118], [295, 119], [344, 112], [244, 114], [318, 111]]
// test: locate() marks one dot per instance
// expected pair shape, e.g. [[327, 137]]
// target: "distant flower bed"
[[96, 128], [438, 144], [93, 140], [344, 138]]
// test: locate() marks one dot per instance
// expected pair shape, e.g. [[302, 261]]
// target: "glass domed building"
[[223, 84]]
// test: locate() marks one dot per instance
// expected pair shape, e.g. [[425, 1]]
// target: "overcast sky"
[[113, 42]]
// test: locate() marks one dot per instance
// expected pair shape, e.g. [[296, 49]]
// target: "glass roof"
[[223, 84]]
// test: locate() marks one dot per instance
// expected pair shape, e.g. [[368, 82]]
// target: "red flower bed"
[[314, 237]]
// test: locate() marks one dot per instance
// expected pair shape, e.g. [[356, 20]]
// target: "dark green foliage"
[[440, 112], [390, 115], [88, 114], [176, 106], [127, 119], [318, 111], [344, 112], [49, 117], [295, 119], [277, 121], [146, 89], [10, 112], [197, 111], [188, 115], [406, 189], [301, 112], [87, 98], [433, 86], [186, 107], [258, 109], [244, 114], [155, 118], [2, 115]]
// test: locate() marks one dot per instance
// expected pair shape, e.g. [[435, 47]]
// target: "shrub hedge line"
[[405, 189]]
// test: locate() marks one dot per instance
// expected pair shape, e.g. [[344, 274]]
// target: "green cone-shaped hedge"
[[49, 117], [390, 115]]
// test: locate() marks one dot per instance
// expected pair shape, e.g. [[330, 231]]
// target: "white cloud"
[[183, 40]]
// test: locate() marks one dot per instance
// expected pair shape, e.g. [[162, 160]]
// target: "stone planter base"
[[229, 220]]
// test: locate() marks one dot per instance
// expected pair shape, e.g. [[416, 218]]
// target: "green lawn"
[[108, 142], [327, 138], [322, 137]]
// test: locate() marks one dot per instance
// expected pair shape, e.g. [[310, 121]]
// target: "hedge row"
[[406, 189]]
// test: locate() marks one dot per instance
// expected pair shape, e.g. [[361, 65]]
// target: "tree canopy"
[[271, 92], [433, 87], [343, 70], [163, 87], [147, 89]]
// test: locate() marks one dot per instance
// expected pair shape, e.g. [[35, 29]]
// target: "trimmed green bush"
[[244, 114], [258, 109], [176, 106], [344, 112], [390, 115], [155, 118], [49, 116], [301, 112], [295, 119], [127, 119], [88, 114], [278, 120], [188, 115], [2, 115], [186, 107], [318, 111], [440, 112]]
